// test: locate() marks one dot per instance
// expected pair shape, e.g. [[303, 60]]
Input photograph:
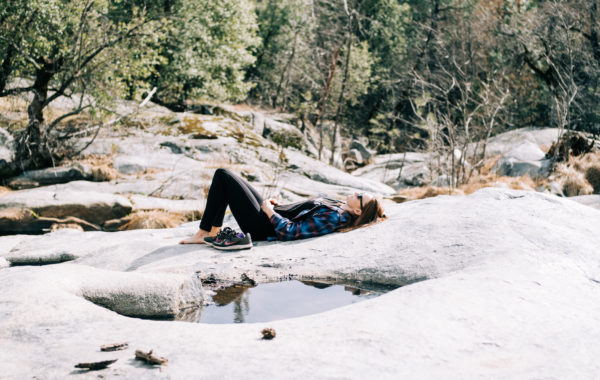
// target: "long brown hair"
[[372, 213]]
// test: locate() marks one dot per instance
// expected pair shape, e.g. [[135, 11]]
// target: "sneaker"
[[222, 235], [234, 242]]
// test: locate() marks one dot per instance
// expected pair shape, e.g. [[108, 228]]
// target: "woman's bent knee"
[[222, 172]]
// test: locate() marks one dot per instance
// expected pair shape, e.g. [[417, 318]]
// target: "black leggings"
[[228, 189]]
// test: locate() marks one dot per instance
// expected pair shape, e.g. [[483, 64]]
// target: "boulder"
[[398, 170], [257, 119], [365, 153], [142, 294], [283, 134], [50, 176], [352, 159], [505, 142], [526, 158]]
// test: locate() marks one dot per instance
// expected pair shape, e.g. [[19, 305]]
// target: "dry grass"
[[576, 185], [153, 220], [101, 166], [413, 193], [579, 176], [479, 182], [4, 190], [489, 164], [62, 226]]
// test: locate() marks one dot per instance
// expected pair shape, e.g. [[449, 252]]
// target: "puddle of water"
[[273, 301]]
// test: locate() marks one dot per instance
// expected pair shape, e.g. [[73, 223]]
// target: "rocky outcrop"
[[505, 142], [520, 153], [398, 170], [283, 134], [142, 294], [318, 172], [29, 211], [526, 158], [480, 274]]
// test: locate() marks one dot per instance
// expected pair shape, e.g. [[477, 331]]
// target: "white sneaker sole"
[[234, 247]]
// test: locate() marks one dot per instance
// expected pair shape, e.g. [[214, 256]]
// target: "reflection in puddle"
[[273, 301]]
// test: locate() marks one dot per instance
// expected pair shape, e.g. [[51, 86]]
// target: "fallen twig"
[[150, 358], [95, 365], [70, 219], [114, 347]]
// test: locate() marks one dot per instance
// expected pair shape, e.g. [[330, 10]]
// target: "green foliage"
[[84, 46], [205, 51], [286, 28], [416, 70]]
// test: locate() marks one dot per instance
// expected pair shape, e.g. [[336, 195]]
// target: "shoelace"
[[226, 233]]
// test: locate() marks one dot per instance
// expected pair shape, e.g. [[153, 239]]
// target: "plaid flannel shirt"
[[323, 220]]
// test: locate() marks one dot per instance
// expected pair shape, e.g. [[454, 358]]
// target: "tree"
[[61, 48], [205, 51], [558, 43]]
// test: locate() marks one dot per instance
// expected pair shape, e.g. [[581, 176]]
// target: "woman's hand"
[[267, 206]]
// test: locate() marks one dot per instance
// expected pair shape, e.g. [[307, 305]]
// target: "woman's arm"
[[323, 221], [267, 207]]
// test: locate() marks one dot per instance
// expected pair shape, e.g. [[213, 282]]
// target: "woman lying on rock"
[[267, 220]]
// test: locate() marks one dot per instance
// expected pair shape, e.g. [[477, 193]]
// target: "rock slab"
[[19, 209], [497, 285]]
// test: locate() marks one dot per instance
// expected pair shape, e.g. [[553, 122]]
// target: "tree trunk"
[[323, 100], [340, 100], [32, 151], [285, 70], [594, 39], [6, 67]]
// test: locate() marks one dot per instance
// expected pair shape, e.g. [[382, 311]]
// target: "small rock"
[[268, 333], [129, 164], [247, 280], [365, 153], [171, 145]]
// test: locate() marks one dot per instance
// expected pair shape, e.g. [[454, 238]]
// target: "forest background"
[[408, 75]]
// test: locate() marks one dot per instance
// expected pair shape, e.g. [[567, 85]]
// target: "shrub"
[[575, 184], [592, 175]]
